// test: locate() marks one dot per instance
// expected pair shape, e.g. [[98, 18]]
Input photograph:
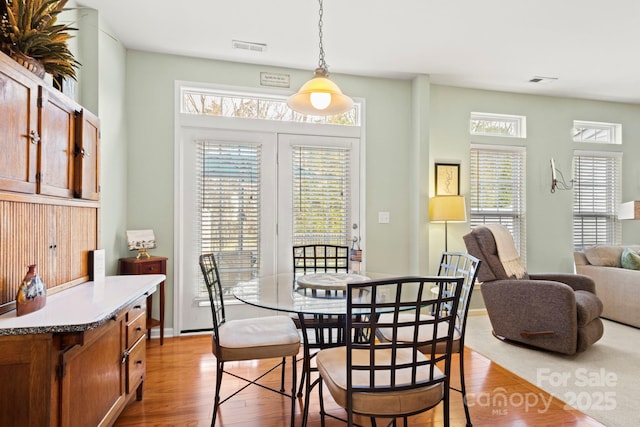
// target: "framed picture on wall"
[[447, 179]]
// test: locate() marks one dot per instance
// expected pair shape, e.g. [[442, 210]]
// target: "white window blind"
[[229, 189], [321, 195], [596, 196], [497, 178]]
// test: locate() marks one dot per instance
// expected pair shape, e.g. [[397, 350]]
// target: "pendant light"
[[320, 96]]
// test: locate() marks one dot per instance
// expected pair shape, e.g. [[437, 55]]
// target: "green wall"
[[409, 125]]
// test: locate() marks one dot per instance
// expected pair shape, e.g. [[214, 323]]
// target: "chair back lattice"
[[463, 265], [214, 288], [379, 367], [320, 258]]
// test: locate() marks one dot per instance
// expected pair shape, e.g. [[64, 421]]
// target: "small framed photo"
[[447, 179]]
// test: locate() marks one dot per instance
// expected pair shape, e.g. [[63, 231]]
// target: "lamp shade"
[[629, 210], [447, 209], [320, 97]]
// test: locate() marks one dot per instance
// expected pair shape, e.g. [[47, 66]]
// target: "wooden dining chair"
[[456, 264], [393, 379], [248, 339]]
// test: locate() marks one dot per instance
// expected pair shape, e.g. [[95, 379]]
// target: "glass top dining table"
[[282, 293]]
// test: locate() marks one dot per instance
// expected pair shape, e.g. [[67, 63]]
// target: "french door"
[[247, 197]]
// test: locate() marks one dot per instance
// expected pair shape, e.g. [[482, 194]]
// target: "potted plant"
[[30, 35]]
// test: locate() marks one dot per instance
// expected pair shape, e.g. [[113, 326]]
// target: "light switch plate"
[[383, 218]]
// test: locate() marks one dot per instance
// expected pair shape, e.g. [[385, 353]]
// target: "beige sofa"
[[618, 288]]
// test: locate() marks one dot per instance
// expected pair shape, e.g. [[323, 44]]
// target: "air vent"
[[542, 80], [250, 46]]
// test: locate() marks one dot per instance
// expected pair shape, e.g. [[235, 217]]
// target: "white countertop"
[[82, 307]]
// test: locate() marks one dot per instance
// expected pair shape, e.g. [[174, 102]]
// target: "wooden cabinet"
[[49, 183], [19, 128], [87, 161], [74, 379], [152, 265], [55, 238], [25, 365], [49, 143], [136, 348], [57, 127]]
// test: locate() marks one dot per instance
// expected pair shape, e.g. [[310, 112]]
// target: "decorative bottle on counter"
[[32, 294]]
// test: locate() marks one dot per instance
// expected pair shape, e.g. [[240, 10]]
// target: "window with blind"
[[497, 178], [596, 196], [321, 205], [229, 209]]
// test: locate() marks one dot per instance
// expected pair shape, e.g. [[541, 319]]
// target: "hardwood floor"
[[179, 390]]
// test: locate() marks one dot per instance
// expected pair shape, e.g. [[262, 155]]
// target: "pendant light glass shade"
[[320, 97]]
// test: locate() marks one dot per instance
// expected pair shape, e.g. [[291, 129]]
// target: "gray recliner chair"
[[558, 312]]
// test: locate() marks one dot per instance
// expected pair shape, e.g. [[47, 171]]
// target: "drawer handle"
[[137, 307], [138, 362], [138, 329]]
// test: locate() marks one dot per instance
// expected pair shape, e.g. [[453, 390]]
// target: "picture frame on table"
[[447, 179]]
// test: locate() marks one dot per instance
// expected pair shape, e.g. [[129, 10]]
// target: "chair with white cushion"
[[394, 379], [248, 339]]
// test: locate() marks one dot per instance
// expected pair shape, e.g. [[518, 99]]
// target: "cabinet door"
[[18, 129], [57, 132], [93, 381], [25, 369], [87, 156]]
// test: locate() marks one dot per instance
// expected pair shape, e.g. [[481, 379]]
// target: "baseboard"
[[477, 312]]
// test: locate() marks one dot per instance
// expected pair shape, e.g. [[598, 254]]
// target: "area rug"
[[602, 382]]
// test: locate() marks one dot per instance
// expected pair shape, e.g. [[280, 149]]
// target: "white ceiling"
[[591, 46]]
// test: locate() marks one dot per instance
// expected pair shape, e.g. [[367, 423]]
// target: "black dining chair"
[[248, 339], [455, 264], [393, 379], [318, 331]]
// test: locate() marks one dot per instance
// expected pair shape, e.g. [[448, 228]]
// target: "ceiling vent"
[[542, 80], [250, 46]]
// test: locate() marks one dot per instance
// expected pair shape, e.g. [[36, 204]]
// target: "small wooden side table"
[[152, 265]]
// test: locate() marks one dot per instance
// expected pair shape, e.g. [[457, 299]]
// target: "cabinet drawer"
[[151, 268], [135, 329], [136, 363], [136, 309]]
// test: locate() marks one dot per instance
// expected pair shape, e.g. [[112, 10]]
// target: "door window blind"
[[596, 196], [497, 177], [321, 195], [229, 205]]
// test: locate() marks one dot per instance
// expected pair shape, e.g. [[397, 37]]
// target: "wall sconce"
[[629, 210], [142, 240], [447, 209], [560, 184]]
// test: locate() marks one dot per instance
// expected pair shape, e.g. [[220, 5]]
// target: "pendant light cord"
[[321, 63]]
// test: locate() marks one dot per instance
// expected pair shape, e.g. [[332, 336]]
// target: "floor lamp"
[[447, 209]]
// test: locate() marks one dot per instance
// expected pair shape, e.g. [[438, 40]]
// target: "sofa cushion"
[[604, 256], [630, 259]]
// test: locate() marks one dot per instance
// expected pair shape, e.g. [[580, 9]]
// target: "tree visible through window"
[[321, 195]]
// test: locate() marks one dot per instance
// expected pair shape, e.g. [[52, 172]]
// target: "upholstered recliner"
[[558, 312]]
